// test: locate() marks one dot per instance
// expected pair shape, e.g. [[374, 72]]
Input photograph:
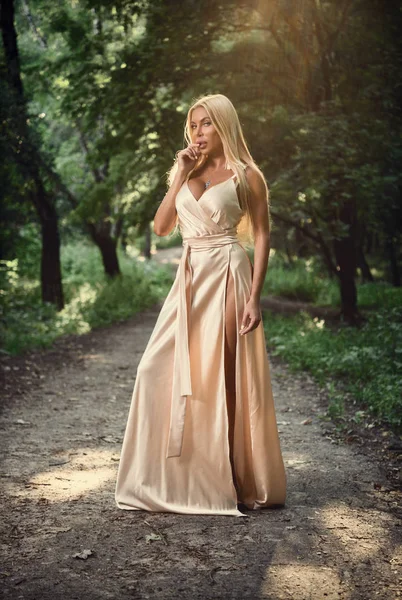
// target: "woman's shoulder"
[[254, 176]]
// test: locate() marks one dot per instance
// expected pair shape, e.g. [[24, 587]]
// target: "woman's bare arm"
[[165, 216], [259, 209]]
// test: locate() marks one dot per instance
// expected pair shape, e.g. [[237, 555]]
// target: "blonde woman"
[[201, 435]]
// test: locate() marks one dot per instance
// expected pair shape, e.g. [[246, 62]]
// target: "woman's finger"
[[244, 322], [191, 152], [252, 325], [194, 149]]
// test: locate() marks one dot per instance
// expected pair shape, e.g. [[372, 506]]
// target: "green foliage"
[[108, 85], [27, 250], [92, 299], [336, 404], [365, 362], [301, 280], [374, 295], [335, 160], [81, 263], [169, 241]]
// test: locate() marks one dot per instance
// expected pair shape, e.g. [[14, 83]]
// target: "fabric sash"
[[181, 387]]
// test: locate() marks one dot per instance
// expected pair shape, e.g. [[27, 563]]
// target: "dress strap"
[[235, 179]]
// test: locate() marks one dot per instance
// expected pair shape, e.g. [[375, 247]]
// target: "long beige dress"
[[175, 452]]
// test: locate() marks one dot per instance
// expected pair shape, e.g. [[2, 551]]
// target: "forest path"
[[338, 537]]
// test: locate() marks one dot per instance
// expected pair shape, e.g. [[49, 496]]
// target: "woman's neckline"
[[209, 188]]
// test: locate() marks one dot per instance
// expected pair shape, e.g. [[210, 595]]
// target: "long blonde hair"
[[225, 119]]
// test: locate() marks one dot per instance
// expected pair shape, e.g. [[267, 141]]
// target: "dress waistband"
[[182, 388], [214, 240]]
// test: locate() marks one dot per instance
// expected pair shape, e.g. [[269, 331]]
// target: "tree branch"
[[315, 237]]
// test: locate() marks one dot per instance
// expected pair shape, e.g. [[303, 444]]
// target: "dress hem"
[[233, 513]]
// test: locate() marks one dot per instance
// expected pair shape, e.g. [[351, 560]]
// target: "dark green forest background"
[[93, 99]]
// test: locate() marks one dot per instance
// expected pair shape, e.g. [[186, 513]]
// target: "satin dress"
[[175, 451]]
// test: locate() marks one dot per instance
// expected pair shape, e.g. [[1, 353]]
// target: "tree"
[[334, 177], [26, 156]]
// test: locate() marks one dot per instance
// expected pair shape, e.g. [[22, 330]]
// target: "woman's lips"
[[202, 144]]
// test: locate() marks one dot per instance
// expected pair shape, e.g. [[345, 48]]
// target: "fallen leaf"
[[152, 537], [54, 462], [109, 439], [55, 530], [84, 554]]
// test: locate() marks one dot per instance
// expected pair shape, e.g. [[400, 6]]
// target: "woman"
[[201, 435]]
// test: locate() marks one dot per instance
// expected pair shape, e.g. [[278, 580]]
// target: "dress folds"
[[175, 452]]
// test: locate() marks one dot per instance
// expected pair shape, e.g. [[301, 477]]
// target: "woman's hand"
[[251, 317], [188, 157]]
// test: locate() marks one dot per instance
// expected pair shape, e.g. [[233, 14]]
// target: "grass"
[[303, 281], [91, 299], [365, 363], [159, 242]]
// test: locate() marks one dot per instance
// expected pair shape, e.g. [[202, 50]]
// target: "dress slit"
[[231, 410], [201, 434], [243, 443]]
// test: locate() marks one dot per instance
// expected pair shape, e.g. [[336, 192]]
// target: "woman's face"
[[204, 133]]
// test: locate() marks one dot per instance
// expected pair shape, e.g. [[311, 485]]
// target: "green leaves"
[[365, 362], [91, 299]]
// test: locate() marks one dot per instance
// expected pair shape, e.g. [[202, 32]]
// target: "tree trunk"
[[147, 246], [345, 254], [288, 254], [393, 263], [51, 281], [110, 261], [348, 288], [364, 266], [123, 241], [28, 160], [108, 249]]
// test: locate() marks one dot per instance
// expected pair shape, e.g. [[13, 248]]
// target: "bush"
[[91, 298], [168, 241], [372, 295], [299, 281], [303, 281], [365, 362]]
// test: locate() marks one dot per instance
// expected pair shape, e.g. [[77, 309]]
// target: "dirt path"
[[65, 411]]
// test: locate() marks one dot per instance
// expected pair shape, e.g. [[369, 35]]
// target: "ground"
[[62, 536]]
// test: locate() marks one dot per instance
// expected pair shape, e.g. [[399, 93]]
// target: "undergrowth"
[[91, 298], [364, 362]]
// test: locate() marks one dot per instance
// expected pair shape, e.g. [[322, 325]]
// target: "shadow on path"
[[337, 537]]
